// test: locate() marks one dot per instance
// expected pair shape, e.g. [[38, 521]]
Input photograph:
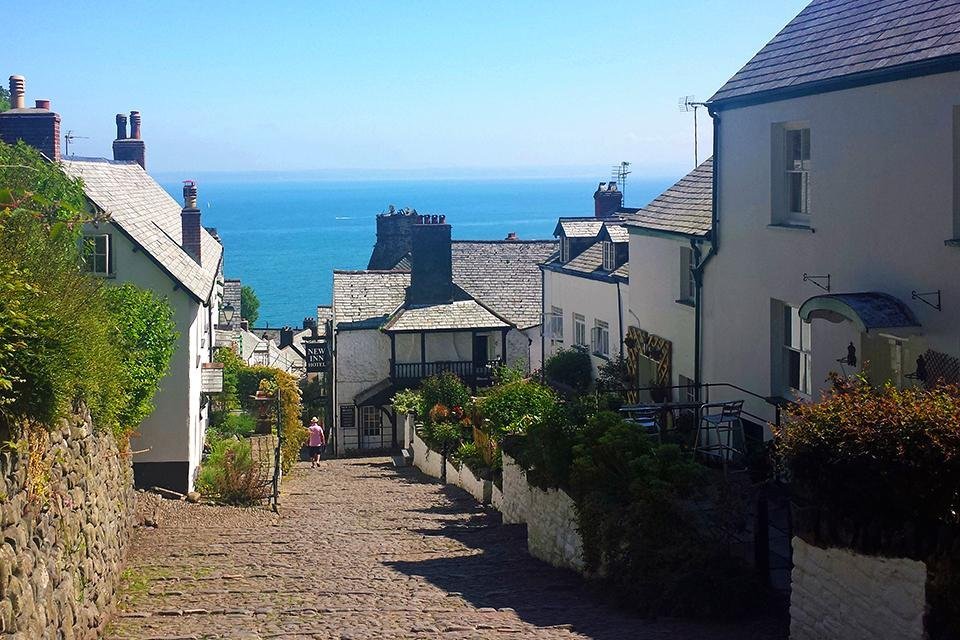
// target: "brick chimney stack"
[[607, 200], [190, 221], [431, 272], [129, 149], [38, 126]]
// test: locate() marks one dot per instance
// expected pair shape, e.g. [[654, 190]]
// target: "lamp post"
[[228, 312]]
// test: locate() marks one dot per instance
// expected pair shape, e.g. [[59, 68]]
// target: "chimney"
[[38, 126], [393, 238], [512, 237], [130, 149], [607, 200], [190, 221], [286, 337], [431, 277]]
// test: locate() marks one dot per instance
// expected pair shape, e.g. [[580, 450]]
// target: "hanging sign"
[[211, 377], [318, 356]]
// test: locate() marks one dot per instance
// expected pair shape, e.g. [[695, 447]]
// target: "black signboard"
[[318, 356]]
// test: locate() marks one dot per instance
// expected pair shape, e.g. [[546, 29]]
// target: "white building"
[[667, 238], [837, 168], [585, 288], [464, 307], [152, 242]]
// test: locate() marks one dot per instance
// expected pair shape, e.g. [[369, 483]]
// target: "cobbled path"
[[363, 550]]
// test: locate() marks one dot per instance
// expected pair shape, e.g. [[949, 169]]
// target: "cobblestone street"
[[363, 550]]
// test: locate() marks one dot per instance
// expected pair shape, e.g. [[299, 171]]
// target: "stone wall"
[[837, 594], [65, 522], [429, 462], [550, 516]]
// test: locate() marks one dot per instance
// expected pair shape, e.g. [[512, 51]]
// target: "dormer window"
[[609, 256], [564, 250]]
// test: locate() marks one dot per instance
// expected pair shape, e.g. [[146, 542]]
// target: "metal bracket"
[[922, 297], [815, 280]]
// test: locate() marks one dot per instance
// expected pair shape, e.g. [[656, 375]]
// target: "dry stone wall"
[[839, 594], [65, 523]]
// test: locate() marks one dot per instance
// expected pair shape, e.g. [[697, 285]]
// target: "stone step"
[[404, 459]]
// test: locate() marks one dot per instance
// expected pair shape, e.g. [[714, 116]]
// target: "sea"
[[284, 237]]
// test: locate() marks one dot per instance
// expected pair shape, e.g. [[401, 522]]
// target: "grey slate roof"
[[684, 208], [578, 227], [504, 276], [832, 39], [141, 208], [590, 263], [365, 299], [614, 232], [460, 314]]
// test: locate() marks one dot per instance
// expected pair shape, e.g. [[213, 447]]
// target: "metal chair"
[[722, 419], [646, 417]]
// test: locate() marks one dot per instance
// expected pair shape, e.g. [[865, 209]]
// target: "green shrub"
[[513, 407], [445, 389], [231, 476], [570, 368], [470, 455], [229, 424], [614, 374], [407, 401]]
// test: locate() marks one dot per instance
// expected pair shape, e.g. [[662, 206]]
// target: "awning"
[[866, 310], [380, 394]]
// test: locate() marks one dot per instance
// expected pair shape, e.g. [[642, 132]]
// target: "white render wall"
[[654, 291], [837, 594], [881, 202], [174, 431], [594, 300]]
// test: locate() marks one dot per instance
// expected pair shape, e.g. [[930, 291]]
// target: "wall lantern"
[[228, 312]]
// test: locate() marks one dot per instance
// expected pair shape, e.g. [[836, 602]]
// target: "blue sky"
[[546, 88]]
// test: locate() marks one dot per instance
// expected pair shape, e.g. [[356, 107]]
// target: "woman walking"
[[318, 441]]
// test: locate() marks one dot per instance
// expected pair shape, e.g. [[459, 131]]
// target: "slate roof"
[[504, 276], [578, 227], [833, 39], [141, 209], [684, 208], [590, 262], [365, 299], [614, 232], [460, 314]]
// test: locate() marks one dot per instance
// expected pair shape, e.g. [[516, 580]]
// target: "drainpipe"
[[620, 316], [702, 262], [543, 319]]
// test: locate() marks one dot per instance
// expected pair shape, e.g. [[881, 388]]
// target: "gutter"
[[702, 262]]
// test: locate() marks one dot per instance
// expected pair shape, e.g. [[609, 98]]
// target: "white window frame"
[[564, 250], [556, 324], [579, 330], [687, 282], [371, 425], [601, 338], [609, 255], [799, 169], [92, 252], [797, 357]]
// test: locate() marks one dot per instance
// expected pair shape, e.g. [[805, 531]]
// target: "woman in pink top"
[[317, 441]]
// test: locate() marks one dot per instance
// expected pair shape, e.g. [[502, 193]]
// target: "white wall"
[[593, 299], [881, 207], [174, 431], [654, 291]]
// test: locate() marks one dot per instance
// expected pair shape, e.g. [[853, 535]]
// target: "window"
[[687, 391], [564, 250], [556, 324], [96, 254], [687, 284], [797, 166], [579, 330], [609, 256], [601, 338], [796, 352], [370, 421]]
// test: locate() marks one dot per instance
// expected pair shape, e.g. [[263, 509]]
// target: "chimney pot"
[[42, 104], [121, 127], [17, 91], [443, 219], [135, 125], [190, 221]]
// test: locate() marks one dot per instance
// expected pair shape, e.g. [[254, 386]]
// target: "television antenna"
[[68, 137], [688, 104], [619, 173]]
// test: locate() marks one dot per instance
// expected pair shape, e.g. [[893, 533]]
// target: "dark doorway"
[[480, 346]]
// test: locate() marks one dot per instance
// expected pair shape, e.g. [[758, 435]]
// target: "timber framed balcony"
[[479, 373]]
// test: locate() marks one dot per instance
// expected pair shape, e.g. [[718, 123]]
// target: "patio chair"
[[646, 417], [722, 419]]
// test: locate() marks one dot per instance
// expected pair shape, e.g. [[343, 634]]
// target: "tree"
[[249, 305], [4, 99]]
